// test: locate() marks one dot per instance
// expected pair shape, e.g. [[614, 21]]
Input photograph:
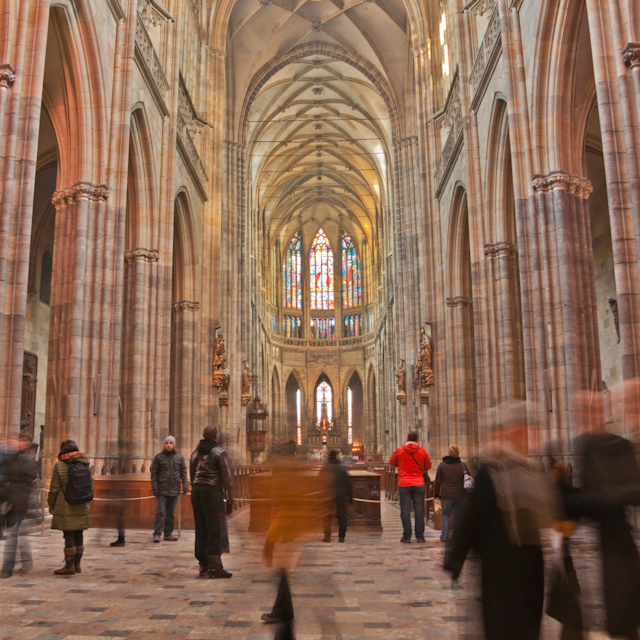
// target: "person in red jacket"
[[412, 461]]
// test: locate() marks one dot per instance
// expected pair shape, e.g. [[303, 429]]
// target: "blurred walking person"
[[413, 462], [339, 495], [70, 492], [210, 487], [449, 487], [509, 504], [610, 483], [168, 469], [20, 472]]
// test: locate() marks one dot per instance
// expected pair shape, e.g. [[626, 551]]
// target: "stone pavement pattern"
[[370, 587]]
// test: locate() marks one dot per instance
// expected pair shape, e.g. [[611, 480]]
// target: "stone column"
[[184, 401], [23, 37], [461, 370], [139, 408]]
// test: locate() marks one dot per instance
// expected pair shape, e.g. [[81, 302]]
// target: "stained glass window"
[[321, 272], [353, 325], [292, 274], [292, 327], [323, 327], [351, 275], [299, 417], [324, 396]]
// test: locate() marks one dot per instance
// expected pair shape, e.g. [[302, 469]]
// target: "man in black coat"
[[168, 469], [210, 487], [340, 495]]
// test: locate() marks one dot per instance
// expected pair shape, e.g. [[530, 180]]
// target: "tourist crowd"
[[499, 512]]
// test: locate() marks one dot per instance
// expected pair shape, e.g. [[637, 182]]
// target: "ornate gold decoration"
[[246, 384], [425, 377], [219, 362]]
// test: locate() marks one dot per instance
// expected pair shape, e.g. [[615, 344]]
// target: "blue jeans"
[[164, 515], [409, 495], [14, 540], [457, 506]]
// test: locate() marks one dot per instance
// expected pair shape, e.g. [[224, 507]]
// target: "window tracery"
[[351, 274], [292, 274], [321, 273]]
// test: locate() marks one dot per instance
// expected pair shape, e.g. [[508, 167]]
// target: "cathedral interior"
[[326, 221]]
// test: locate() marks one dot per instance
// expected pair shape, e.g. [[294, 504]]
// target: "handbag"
[[469, 482], [563, 600], [425, 474]]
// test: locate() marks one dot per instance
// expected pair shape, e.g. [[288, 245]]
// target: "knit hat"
[[170, 439], [67, 446]]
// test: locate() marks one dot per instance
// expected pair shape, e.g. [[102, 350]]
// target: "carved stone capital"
[[79, 190], [572, 184], [459, 301], [185, 305], [139, 254], [7, 75], [420, 49], [216, 54], [631, 54], [508, 249]]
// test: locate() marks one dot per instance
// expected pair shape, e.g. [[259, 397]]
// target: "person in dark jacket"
[[210, 487], [340, 495], [504, 513], [71, 519], [20, 472], [168, 469], [449, 487]]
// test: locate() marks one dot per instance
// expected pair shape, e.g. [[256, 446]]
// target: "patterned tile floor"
[[370, 587]]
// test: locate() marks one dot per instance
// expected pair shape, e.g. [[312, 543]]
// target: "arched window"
[[321, 272], [292, 274], [349, 416], [299, 417], [351, 274], [324, 403]]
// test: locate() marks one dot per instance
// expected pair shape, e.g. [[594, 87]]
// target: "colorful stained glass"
[[292, 327], [324, 396], [323, 327], [351, 274], [353, 325], [292, 274], [321, 272]]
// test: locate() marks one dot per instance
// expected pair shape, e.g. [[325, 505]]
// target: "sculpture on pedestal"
[[219, 361], [401, 381], [424, 372], [223, 397], [246, 384]]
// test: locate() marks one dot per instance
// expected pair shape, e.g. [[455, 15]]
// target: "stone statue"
[[246, 379], [613, 303], [425, 351], [219, 354]]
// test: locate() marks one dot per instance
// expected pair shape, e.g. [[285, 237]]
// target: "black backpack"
[[78, 489]]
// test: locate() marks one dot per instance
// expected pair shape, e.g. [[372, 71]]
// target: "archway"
[[355, 418]]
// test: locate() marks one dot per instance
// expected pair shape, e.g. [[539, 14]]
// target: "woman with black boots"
[[69, 495]]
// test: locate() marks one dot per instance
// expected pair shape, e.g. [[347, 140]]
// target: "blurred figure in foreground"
[[413, 462], [4, 505], [449, 487], [70, 492], [210, 487], [167, 470], [294, 497], [20, 472], [610, 483], [339, 495], [503, 516]]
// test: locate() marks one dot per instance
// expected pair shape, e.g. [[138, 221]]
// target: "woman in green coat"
[[71, 519]]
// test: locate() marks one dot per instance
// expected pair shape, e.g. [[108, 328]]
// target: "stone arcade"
[[314, 220]]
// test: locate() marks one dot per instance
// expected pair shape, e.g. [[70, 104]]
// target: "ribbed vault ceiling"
[[318, 132]]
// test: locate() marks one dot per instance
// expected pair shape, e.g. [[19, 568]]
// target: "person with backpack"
[[413, 462], [167, 470], [450, 489], [70, 492]]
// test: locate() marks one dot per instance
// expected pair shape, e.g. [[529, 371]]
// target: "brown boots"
[[79, 551], [69, 568]]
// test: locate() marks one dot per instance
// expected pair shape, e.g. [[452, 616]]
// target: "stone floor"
[[370, 587]]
